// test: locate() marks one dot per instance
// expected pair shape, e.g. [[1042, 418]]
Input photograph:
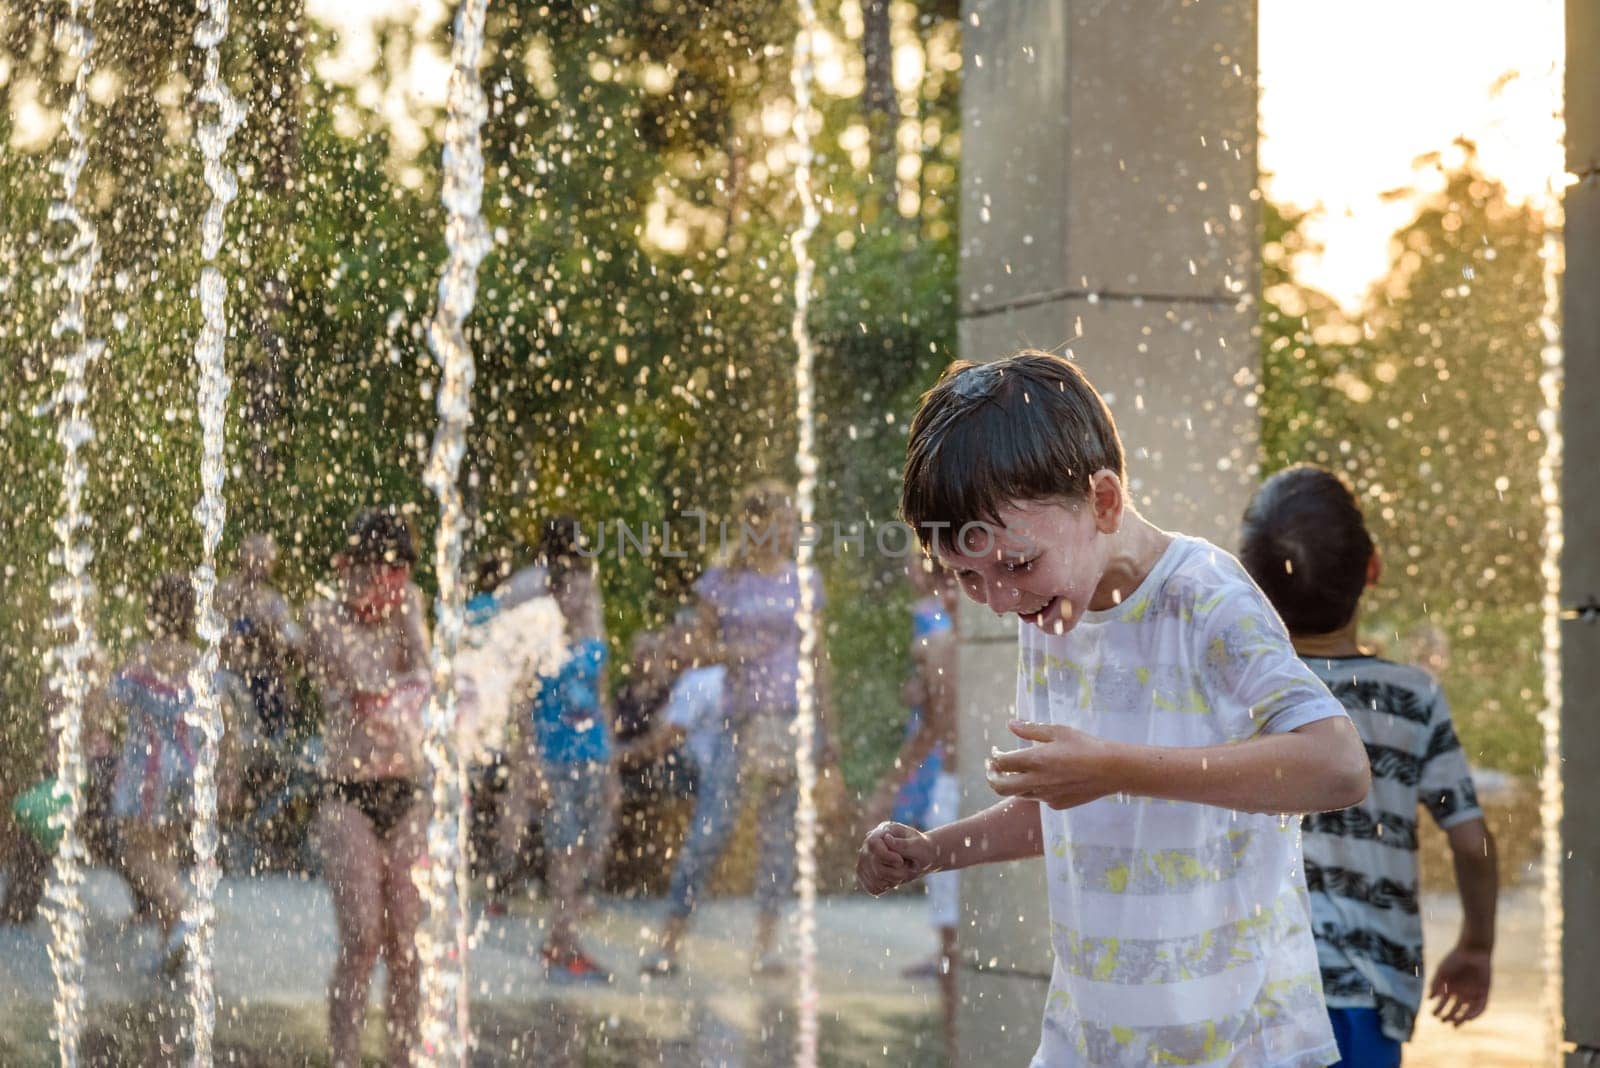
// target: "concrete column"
[[1108, 208], [1580, 564]]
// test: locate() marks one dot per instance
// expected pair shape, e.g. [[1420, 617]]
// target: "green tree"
[[1429, 405], [632, 322]]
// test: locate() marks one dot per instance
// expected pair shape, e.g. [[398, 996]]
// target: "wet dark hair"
[[172, 606], [1305, 542], [1029, 427], [378, 536], [559, 541]]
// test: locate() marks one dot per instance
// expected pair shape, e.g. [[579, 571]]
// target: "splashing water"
[[442, 941], [205, 715], [71, 660], [802, 76], [1551, 801]]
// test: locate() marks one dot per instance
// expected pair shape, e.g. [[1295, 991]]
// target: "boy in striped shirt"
[[1306, 544]]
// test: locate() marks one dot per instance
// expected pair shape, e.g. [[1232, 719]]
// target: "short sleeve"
[[1247, 658], [1445, 784], [578, 681]]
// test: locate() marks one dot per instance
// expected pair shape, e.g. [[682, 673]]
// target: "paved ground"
[[276, 950], [1511, 1033]]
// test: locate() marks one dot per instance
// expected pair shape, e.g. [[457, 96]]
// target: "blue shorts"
[[1362, 1043]]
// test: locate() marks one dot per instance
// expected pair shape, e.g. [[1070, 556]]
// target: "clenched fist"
[[892, 855]]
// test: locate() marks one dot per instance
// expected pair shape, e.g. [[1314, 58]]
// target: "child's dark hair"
[[172, 606], [560, 540], [379, 536], [1026, 428], [1305, 542]]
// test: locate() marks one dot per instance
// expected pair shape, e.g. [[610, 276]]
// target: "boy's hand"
[[893, 855], [1063, 769], [1461, 985]]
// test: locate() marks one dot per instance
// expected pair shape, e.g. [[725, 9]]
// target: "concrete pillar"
[[1109, 208], [1580, 564]]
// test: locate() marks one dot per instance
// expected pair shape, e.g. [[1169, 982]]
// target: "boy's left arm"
[[1292, 747], [1319, 766], [1460, 986]]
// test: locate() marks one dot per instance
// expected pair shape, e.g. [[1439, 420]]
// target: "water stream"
[[1551, 800], [221, 116], [442, 941], [803, 75], [71, 660]]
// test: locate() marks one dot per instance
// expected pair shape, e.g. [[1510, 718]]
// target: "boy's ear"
[[1106, 491], [1374, 568]]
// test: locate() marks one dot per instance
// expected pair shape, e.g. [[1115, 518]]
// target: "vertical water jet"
[[69, 661], [802, 77], [220, 117], [442, 940]]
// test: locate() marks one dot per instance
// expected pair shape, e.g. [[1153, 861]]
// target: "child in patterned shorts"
[[1306, 542]]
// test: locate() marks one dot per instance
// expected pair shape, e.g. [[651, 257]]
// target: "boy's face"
[[1043, 562]]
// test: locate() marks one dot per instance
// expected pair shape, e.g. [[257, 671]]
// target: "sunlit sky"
[[1352, 94]]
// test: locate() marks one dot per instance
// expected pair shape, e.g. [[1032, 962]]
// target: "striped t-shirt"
[[1181, 931], [1361, 863]]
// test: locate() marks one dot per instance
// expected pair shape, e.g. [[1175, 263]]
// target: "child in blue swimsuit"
[[572, 733]]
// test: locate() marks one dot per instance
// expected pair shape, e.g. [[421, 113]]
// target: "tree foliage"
[[631, 330], [1428, 403]]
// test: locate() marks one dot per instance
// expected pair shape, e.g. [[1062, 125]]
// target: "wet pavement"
[[1511, 1033], [275, 951], [276, 946]]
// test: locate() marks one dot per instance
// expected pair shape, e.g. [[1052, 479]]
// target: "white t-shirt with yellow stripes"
[[1180, 930]]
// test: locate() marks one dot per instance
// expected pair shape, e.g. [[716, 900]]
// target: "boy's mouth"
[[1044, 611]]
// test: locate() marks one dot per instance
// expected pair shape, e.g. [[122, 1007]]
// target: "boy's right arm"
[[894, 854]]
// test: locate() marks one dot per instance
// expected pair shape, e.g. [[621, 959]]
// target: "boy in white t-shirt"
[[1171, 726]]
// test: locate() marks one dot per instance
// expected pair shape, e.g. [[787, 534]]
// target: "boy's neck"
[[1139, 545], [1337, 643]]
